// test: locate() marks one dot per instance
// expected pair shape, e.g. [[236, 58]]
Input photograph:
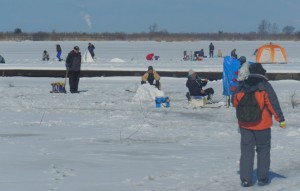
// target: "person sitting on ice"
[[46, 55], [199, 54], [2, 60], [233, 54], [150, 76], [195, 85]]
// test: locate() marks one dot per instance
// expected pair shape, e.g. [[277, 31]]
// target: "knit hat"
[[256, 68], [242, 59], [150, 68], [76, 48], [191, 72]]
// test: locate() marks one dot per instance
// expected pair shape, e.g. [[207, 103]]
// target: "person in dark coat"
[[256, 136], [199, 54], [211, 50], [91, 48], [73, 65], [233, 54], [196, 84], [58, 52]]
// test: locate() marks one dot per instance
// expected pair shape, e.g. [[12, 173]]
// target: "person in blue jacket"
[[91, 48], [58, 52]]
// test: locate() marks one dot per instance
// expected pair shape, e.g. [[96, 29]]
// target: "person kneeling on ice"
[[150, 76], [46, 56], [195, 85]]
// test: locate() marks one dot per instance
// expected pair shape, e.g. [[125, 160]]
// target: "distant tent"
[[271, 54], [150, 56], [87, 57]]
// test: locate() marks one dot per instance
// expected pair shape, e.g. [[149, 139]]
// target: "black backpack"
[[248, 109]]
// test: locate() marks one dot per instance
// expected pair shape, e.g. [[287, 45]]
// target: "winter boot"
[[188, 96], [263, 182], [245, 183]]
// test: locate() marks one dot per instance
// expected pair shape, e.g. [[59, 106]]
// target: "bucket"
[[58, 87], [160, 100]]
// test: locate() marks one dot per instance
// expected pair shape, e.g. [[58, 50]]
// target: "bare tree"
[[274, 28], [153, 28], [264, 27], [288, 30]]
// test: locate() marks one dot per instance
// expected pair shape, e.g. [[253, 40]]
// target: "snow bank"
[[117, 60], [147, 92]]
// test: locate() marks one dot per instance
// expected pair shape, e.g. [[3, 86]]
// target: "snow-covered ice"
[[108, 138]]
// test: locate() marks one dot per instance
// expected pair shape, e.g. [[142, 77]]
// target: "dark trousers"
[[74, 77], [261, 141], [211, 53], [209, 92]]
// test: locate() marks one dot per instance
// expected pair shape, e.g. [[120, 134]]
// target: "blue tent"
[[230, 73]]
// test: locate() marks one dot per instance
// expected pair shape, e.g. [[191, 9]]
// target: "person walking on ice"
[[211, 50], [58, 52], [91, 49]]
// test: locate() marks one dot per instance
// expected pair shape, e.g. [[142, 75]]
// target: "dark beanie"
[[150, 68], [242, 59], [256, 68]]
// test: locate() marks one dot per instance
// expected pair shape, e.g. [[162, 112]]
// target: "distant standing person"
[[58, 52], [220, 55], [255, 95], [211, 50], [233, 54], [45, 55], [254, 53], [73, 65], [91, 48]]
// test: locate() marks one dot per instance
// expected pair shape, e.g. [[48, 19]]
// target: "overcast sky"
[[132, 16]]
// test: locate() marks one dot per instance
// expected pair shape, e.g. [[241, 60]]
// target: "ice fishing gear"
[[67, 72], [58, 87], [160, 100]]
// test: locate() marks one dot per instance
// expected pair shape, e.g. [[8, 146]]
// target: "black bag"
[[248, 109]]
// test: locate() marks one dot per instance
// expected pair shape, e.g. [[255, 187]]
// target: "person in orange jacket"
[[150, 76], [257, 134]]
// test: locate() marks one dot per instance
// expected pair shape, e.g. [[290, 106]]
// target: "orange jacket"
[[266, 98], [146, 75]]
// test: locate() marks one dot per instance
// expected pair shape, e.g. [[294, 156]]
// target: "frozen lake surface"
[[104, 139]]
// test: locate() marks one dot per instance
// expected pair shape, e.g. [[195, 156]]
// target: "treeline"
[[152, 36]]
